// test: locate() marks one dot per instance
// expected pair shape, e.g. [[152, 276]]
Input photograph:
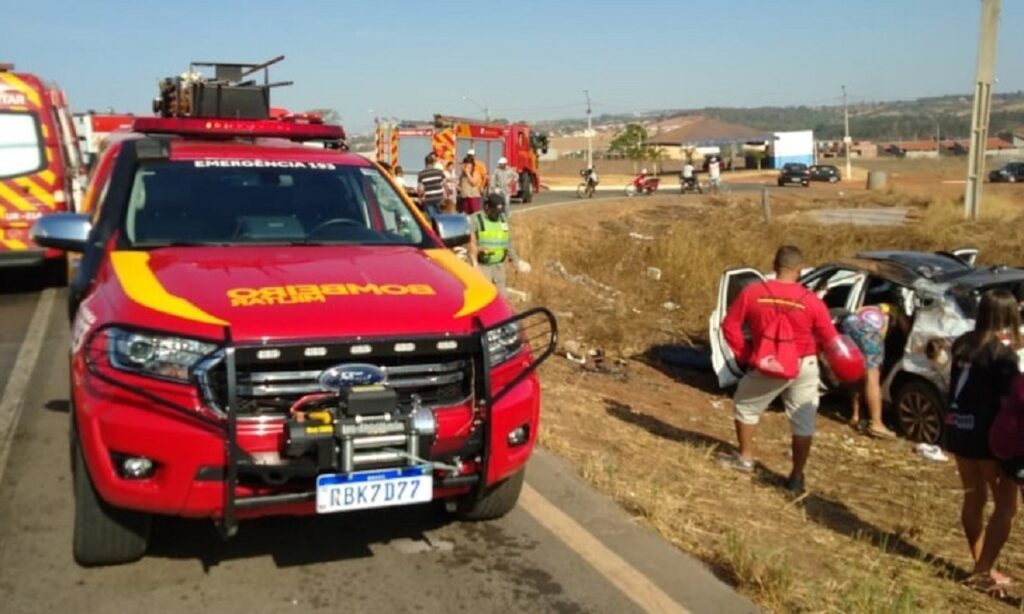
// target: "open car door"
[[729, 287]]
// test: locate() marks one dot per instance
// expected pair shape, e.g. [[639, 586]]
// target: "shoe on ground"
[[795, 485], [737, 462]]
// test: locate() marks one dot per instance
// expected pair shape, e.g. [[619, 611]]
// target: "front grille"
[[269, 390]]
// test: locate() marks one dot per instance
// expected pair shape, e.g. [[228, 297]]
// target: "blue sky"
[[524, 60]]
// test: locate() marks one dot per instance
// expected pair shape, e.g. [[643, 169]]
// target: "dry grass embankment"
[[879, 531]]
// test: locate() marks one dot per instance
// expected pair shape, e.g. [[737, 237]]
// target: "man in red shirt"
[[757, 306]]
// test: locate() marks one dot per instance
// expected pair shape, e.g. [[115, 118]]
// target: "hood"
[[307, 292]]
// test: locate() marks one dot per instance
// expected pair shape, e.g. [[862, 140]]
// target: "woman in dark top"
[[984, 363]]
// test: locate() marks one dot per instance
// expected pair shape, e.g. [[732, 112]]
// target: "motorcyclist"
[[687, 174], [641, 179], [589, 175]]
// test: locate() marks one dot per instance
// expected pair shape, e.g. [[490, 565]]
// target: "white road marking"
[[562, 203], [13, 398], [614, 568]]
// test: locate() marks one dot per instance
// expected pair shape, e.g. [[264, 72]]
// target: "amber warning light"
[[292, 127]]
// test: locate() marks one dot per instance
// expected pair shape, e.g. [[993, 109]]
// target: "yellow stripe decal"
[[479, 292], [15, 199], [48, 176], [142, 286], [13, 244], [37, 191], [24, 88]]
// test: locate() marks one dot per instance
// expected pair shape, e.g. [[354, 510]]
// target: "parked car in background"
[[794, 173], [937, 293], [824, 172], [1012, 172]]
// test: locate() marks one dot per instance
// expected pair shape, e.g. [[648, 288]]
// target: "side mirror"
[[454, 230], [65, 231]]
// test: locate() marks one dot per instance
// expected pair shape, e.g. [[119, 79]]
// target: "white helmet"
[[503, 160], [471, 152], [643, 171]]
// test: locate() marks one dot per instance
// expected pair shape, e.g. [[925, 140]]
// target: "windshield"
[[233, 202], [21, 150]]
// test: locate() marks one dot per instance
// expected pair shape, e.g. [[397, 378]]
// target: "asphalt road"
[[566, 548]]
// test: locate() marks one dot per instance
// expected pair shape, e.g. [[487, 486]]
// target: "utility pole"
[[482, 107], [590, 134], [982, 106], [846, 135]]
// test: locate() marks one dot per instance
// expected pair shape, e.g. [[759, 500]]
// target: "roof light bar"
[[285, 128]]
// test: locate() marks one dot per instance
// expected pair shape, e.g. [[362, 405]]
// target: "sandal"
[[1001, 579], [985, 583], [883, 434]]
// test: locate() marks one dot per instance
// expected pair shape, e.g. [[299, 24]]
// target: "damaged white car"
[[938, 294]]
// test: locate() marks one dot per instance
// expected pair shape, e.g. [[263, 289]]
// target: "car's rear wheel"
[[104, 534], [919, 411], [499, 500]]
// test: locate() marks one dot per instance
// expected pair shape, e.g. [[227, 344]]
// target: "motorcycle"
[[588, 186], [642, 184], [689, 185]]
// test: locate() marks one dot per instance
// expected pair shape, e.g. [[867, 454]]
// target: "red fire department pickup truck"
[[262, 327]]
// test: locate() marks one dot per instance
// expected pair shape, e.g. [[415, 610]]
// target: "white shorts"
[[800, 396]]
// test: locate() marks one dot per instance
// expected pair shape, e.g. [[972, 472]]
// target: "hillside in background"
[[879, 121]]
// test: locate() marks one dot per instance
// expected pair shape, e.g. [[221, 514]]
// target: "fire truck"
[[39, 167], [241, 339], [407, 144], [93, 127]]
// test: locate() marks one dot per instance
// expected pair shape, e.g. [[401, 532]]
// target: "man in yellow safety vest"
[[494, 242]]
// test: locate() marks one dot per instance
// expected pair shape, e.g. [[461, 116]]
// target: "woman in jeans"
[[984, 364]]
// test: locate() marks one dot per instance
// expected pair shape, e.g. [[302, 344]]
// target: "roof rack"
[[231, 93]]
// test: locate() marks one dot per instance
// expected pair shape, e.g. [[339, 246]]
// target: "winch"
[[360, 427]]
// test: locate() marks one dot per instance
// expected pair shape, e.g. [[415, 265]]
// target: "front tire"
[[919, 411], [581, 190], [499, 500], [104, 535], [630, 190]]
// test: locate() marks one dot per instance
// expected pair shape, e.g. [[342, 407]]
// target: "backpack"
[[775, 353]]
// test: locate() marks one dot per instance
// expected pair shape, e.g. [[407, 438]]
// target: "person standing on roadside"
[[430, 185], [985, 364], [469, 187], [760, 306], [714, 174], [451, 181], [505, 182], [481, 170], [494, 243]]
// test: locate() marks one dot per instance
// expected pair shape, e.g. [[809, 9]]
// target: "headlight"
[[157, 355], [503, 343]]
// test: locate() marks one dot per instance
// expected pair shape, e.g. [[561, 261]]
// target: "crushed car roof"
[[925, 264]]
